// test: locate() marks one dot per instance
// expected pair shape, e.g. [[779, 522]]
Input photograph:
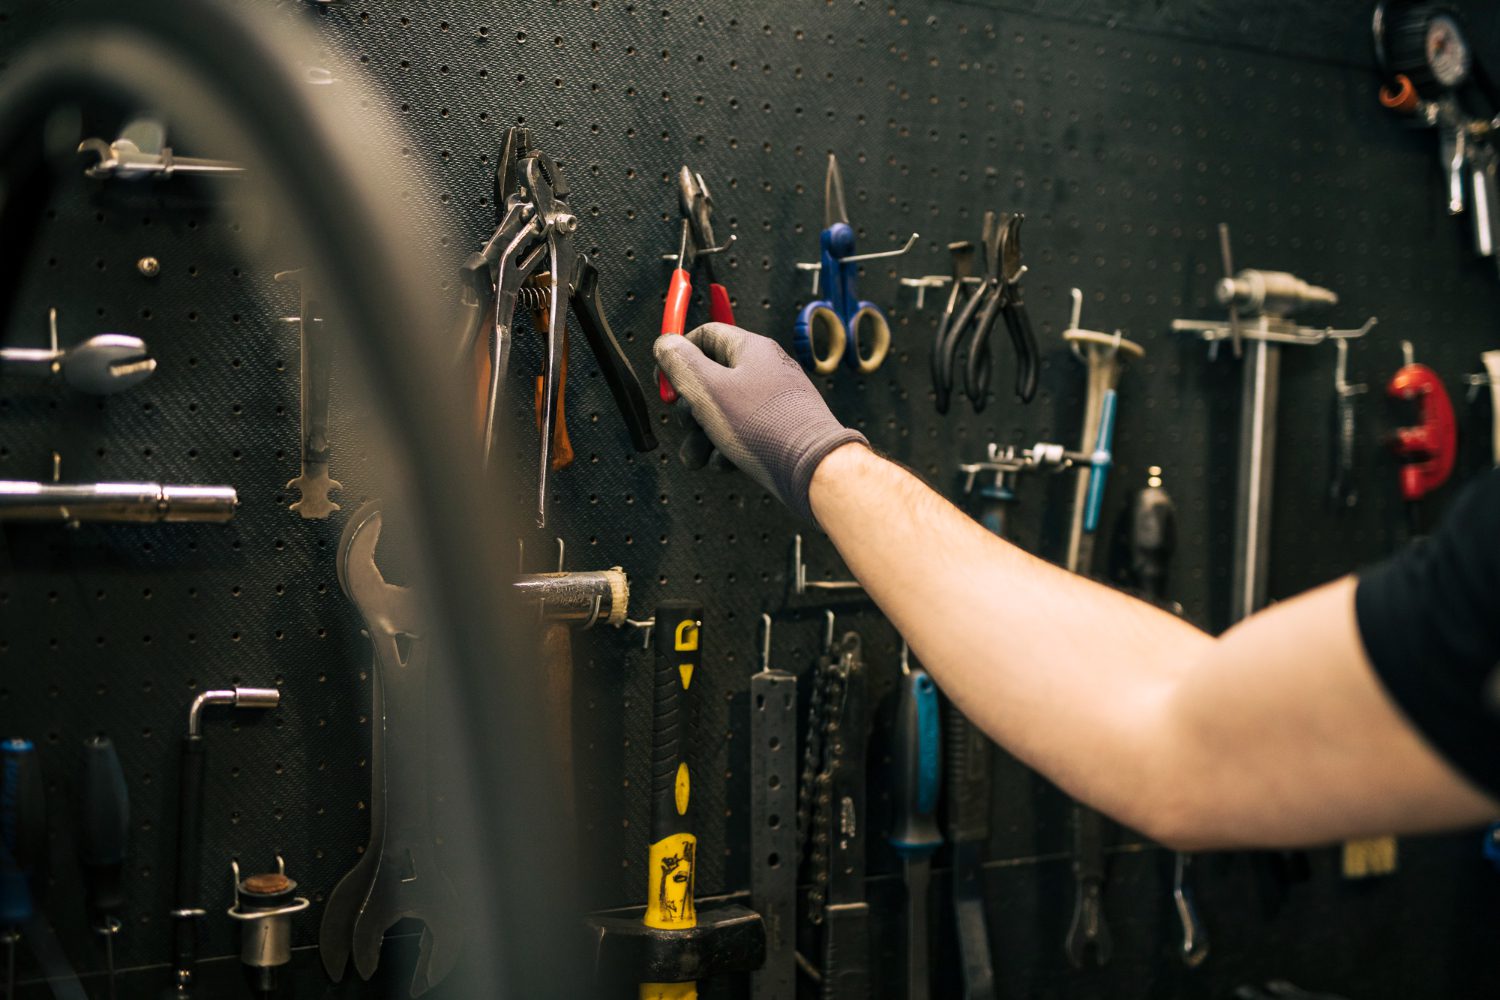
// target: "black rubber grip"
[[189, 849], [967, 784], [678, 649], [105, 830], [613, 364]]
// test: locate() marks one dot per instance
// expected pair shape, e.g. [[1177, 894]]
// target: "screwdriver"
[[23, 843], [105, 831], [918, 768]]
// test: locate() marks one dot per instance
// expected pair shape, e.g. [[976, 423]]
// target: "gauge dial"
[[1448, 55]]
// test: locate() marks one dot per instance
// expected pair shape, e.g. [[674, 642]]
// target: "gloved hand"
[[752, 401]]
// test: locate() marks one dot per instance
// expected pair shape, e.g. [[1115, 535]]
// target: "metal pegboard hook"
[[828, 631], [646, 625], [801, 584], [765, 643]]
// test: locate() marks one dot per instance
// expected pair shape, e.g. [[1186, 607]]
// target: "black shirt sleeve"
[[1430, 621]]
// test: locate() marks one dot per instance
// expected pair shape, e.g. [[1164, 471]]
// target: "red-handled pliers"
[[697, 245]]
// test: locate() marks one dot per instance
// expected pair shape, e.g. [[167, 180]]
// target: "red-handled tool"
[[674, 316], [697, 246], [1427, 449]]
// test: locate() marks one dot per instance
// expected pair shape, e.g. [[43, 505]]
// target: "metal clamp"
[[801, 584]]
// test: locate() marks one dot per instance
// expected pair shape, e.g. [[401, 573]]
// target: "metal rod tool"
[[137, 503], [193, 762]]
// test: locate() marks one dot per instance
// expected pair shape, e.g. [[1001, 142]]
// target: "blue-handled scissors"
[[841, 327]]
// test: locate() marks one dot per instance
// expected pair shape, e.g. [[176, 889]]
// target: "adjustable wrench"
[[403, 879], [314, 483]]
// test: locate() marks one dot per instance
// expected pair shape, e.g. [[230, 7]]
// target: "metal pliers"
[[697, 246], [534, 235], [967, 321]]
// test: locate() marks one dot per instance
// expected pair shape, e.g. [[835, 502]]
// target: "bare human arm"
[[1277, 734]]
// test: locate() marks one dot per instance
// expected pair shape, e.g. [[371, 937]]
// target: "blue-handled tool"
[[23, 843], [104, 833], [918, 757], [842, 327], [1100, 462]]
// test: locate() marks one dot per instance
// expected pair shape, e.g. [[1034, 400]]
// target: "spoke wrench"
[[399, 875]]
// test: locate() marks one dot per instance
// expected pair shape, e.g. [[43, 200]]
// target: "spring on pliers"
[[534, 298]]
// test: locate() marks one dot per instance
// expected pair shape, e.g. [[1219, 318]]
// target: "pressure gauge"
[[1425, 43]]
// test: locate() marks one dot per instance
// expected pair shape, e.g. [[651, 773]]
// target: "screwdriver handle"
[[23, 829], [1102, 459], [918, 756], [719, 309], [1153, 539], [672, 858], [674, 322], [105, 829]]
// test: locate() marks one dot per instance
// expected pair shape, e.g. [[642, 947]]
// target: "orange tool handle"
[[674, 321]]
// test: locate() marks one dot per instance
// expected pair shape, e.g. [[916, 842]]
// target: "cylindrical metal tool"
[[264, 905], [193, 761], [588, 598], [71, 503]]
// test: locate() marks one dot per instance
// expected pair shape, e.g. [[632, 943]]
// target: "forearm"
[[1068, 675]]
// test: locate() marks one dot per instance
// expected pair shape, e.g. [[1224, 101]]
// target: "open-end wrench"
[[103, 364], [123, 158], [405, 879], [314, 484]]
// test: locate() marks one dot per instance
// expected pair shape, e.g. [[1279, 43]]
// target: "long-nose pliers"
[[970, 316]]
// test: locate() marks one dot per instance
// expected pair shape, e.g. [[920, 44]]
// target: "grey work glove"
[[755, 405]]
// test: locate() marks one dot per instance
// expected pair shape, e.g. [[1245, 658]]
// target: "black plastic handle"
[[613, 364], [678, 649], [192, 766], [105, 828], [1153, 539]]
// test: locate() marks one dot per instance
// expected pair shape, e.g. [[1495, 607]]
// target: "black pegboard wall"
[[1125, 147]]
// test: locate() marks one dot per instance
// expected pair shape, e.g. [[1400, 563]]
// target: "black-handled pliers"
[[968, 319]]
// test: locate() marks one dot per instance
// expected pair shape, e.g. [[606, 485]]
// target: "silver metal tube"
[[1252, 516], [239, 697], [115, 502]]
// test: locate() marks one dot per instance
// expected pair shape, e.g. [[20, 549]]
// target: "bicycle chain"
[[834, 672]]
